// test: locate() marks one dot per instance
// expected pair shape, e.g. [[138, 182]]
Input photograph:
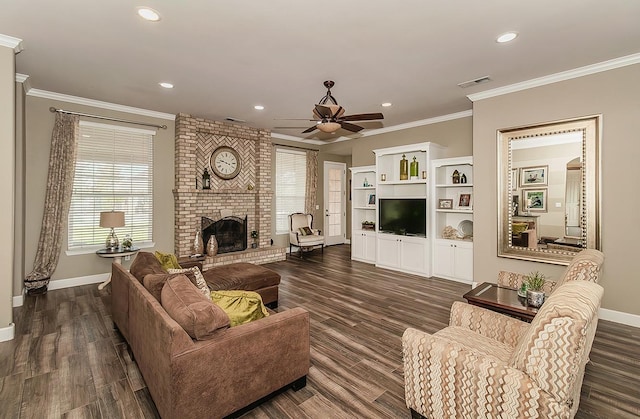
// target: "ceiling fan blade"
[[322, 111], [351, 127], [362, 117], [293, 119], [310, 129]]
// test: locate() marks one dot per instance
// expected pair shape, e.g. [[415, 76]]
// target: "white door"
[[335, 205]]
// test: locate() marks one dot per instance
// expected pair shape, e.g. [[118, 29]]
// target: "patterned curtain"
[[62, 159], [311, 188]]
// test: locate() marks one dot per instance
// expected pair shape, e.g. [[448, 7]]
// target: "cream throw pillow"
[[199, 279]]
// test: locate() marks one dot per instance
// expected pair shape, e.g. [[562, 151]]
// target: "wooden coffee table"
[[501, 299]]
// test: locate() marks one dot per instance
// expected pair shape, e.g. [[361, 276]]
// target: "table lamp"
[[112, 219]]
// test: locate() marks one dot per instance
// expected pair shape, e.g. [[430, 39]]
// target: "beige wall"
[[39, 124], [7, 176], [614, 94]]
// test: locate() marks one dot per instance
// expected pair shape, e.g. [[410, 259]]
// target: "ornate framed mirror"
[[549, 190]]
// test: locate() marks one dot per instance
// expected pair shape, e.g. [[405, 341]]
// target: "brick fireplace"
[[249, 194]]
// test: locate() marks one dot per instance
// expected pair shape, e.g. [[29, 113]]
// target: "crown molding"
[[99, 104], [562, 76], [399, 127], [11, 42], [294, 138], [21, 78], [24, 79]]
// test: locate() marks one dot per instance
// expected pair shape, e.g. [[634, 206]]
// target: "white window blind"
[[291, 175], [114, 171]]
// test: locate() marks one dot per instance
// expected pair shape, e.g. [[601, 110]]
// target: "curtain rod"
[[52, 109], [293, 146]]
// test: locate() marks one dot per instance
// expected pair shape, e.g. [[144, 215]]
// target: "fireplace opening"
[[230, 232]]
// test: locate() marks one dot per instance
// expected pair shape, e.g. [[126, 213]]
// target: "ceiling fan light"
[[328, 127]]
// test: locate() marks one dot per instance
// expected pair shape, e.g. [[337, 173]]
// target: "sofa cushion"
[[197, 315], [194, 274], [241, 306], [145, 263], [154, 283], [240, 276], [167, 260], [475, 342]]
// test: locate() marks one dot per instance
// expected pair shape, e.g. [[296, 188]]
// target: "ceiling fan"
[[329, 116]]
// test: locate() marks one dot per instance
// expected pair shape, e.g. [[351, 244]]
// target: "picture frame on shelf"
[[464, 201], [372, 199], [534, 199], [533, 176], [445, 203]]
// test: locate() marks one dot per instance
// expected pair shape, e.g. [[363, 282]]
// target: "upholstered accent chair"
[[584, 266], [302, 234], [488, 365]]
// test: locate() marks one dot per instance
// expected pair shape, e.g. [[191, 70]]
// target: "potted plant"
[[254, 236], [535, 283]]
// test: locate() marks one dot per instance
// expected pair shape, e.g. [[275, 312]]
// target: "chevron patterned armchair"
[[487, 365]]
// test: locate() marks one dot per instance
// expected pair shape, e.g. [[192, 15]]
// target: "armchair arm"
[[444, 379], [293, 237], [488, 323]]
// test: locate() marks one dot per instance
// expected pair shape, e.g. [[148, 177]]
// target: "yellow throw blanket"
[[241, 306]]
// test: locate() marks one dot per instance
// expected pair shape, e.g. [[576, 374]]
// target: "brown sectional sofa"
[[211, 378]]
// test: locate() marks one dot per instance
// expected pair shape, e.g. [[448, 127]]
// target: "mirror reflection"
[[548, 191]]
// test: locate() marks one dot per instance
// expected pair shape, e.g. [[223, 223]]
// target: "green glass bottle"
[[413, 169]]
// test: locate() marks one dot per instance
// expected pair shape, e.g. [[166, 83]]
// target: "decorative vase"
[[404, 168], [535, 298], [212, 246], [413, 169], [198, 244]]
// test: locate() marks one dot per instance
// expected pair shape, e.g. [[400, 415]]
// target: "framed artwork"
[[533, 176], [535, 199], [445, 203], [514, 179], [465, 200], [372, 199]]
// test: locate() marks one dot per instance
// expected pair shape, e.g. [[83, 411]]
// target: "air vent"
[[231, 119], [474, 82]]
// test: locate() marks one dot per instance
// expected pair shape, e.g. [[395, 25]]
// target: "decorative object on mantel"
[[424, 174], [212, 246], [463, 178], [404, 168], [383, 177], [413, 169], [206, 179], [455, 177], [450, 233], [198, 244], [254, 236], [535, 284]]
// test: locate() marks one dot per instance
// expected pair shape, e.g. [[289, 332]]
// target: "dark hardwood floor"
[[67, 360]]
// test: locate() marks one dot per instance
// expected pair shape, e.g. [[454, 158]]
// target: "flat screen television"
[[403, 216]]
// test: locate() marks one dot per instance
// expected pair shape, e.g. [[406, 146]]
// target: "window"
[[291, 179], [114, 171]]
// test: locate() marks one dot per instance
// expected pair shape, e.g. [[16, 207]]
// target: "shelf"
[[455, 185], [364, 188], [402, 182], [366, 207], [455, 211]]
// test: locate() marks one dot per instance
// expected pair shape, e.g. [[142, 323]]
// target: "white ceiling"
[[226, 57]]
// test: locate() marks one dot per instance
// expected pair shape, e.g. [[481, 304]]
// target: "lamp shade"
[[111, 219]]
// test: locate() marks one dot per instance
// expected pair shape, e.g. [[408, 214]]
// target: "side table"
[[117, 256]]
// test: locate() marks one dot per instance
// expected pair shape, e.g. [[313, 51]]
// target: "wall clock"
[[225, 162]]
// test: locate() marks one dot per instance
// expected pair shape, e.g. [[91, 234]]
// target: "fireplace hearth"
[[230, 232]]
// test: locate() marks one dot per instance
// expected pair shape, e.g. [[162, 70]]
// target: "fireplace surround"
[[248, 193]]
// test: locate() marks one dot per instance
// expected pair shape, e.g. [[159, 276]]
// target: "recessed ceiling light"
[[386, 104], [148, 14], [166, 85], [506, 37], [258, 107]]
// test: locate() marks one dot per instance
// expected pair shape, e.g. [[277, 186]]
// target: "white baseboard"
[[18, 300], [7, 333], [75, 282], [619, 317]]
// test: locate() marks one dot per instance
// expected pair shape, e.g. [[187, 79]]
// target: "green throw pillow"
[[168, 260], [241, 306]]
